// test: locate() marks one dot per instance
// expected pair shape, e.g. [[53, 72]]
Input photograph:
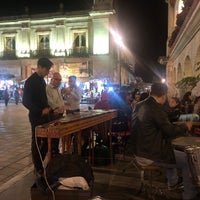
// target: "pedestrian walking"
[[16, 96], [6, 96]]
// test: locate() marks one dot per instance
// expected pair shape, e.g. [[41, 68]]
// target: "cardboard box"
[[61, 194]]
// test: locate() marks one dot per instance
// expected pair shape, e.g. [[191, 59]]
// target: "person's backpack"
[[101, 155], [66, 165]]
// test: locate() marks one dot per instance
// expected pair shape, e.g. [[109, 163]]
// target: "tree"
[[189, 82]]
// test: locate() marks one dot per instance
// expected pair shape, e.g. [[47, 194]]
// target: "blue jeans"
[[190, 190]]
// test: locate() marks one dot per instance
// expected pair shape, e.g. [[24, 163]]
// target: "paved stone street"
[[15, 138]]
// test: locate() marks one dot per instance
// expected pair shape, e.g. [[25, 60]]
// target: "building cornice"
[[44, 16], [101, 13], [49, 18]]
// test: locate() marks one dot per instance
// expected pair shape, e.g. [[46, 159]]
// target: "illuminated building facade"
[[183, 45], [78, 42]]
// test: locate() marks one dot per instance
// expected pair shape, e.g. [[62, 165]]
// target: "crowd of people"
[[147, 116], [151, 140], [174, 106], [14, 93], [150, 117]]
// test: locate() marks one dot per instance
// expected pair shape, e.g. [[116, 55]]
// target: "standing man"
[[73, 95], [151, 140], [56, 102], [35, 100]]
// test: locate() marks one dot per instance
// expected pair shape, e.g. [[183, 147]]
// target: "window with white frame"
[[9, 44], [44, 42], [79, 40]]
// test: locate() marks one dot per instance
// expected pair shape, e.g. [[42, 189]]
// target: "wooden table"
[[75, 123]]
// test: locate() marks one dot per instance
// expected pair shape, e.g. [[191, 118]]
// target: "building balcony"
[[185, 34], [181, 20], [78, 52], [8, 55], [50, 53], [40, 53]]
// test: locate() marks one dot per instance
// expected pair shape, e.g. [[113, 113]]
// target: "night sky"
[[143, 27]]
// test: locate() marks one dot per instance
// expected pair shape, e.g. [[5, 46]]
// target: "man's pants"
[[190, 190], [39, 148]]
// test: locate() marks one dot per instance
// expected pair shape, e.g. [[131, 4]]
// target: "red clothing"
[[102, 104]]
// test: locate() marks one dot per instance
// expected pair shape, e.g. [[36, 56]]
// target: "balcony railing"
[[8, 55], [78, 52], [75, 52], [40, 53]]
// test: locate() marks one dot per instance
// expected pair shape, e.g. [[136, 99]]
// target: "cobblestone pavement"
[[15, 138]]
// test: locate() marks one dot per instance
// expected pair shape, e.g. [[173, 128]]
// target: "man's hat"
[[45, 62]]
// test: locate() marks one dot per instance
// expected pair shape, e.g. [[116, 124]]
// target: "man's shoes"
[[178, 186]]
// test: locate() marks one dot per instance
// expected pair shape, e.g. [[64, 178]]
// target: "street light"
[[163, 80], [120, 45]]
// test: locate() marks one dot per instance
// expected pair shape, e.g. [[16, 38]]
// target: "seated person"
[[187, 104], [135, 97], [104, 103], [197, 105], [174, 109], [121, 102], [151, 137]]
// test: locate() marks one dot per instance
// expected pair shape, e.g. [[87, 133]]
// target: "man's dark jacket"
[[34, 98], [152, 132]]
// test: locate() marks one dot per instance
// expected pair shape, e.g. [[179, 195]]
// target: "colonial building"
[[78, 42], [183, 45]]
